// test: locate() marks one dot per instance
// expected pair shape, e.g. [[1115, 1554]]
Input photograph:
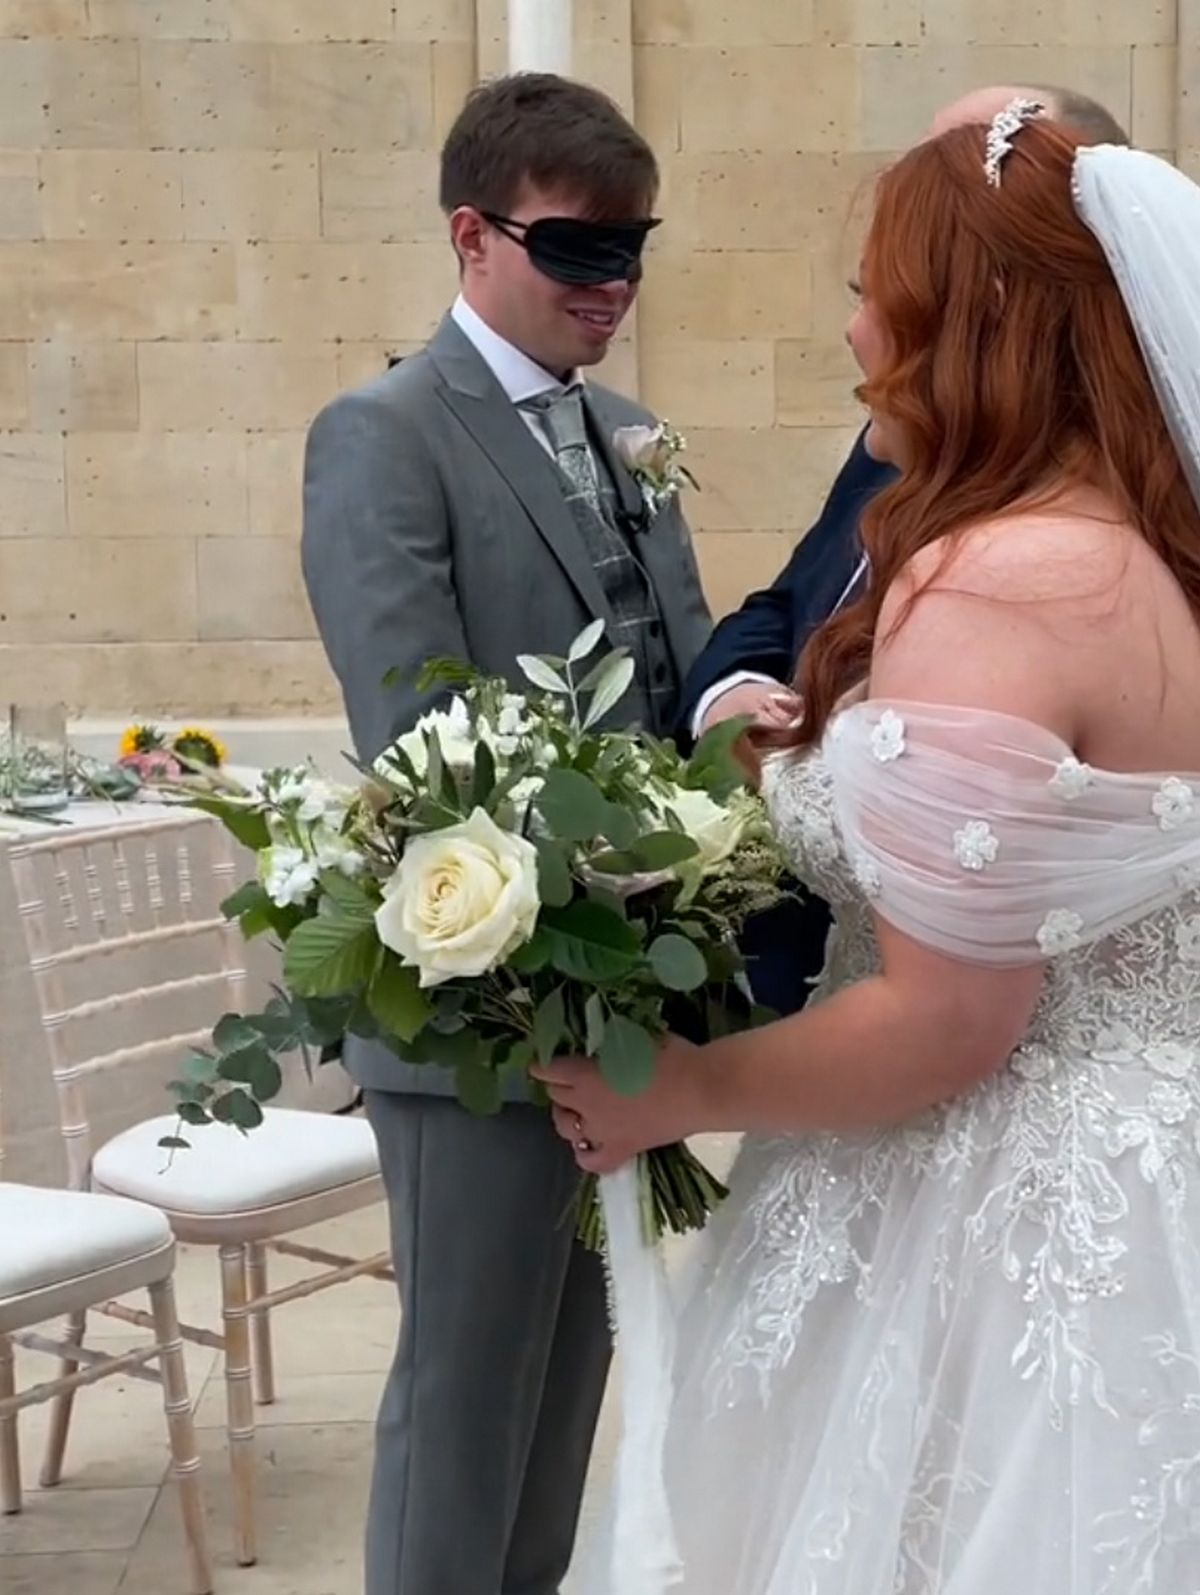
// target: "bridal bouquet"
[[510, 882]]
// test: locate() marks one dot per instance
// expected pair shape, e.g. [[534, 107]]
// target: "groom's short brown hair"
[[558, 135]]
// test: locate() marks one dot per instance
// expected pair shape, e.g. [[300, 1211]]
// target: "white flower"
[[976, 845], [461, 900], [456, 736], [866, 873], [888, 737], [1071, 778], [648, 454], [1174, 804], [1187, 877], [336, 852], [288, 875], [716, 830], [1187, 939], [308, 798], [1171, 1058], [1059, 932], [1170, 1103], [640, 449]]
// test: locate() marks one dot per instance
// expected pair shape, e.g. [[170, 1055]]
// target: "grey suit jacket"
[[435, 525]]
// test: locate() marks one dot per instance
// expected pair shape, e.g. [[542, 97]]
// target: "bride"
[[946, 1336]]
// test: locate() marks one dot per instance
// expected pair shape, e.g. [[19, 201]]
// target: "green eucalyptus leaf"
[[478, 1088], [663, 850], [594, 1019], [549, 1025], [555, 887], [677, 963], [572, 806], [626, 1055]]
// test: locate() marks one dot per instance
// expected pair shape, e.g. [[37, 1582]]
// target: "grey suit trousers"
[[482, 1448]]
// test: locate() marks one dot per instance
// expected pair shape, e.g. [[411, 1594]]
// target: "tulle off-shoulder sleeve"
[[983, 837]]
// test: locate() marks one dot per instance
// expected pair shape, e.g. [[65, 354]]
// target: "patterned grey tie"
[[561, 413]]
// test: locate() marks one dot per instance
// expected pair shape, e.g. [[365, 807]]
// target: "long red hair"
[[1012, 369]]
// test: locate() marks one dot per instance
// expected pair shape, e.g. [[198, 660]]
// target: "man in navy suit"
[[750, 661], [743, 670]]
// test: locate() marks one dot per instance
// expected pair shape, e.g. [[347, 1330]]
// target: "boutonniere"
[[651, 456]]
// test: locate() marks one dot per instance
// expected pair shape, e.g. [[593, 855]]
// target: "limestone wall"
[[216, 213]]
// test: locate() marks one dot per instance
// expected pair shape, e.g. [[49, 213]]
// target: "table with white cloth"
[[28, 1116]]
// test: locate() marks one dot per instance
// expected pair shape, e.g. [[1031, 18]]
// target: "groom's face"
[[559, 325]]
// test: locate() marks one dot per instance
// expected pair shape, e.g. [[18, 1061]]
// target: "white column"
[[539, 36]]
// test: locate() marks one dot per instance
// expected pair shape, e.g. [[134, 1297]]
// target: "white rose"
[[715, 830], [462, 899], [639, 448]]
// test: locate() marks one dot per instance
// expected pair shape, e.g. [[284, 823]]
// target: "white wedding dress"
[[962, 1357]]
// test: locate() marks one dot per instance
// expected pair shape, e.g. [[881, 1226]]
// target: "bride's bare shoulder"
[[1073, 559], [1021, 613]]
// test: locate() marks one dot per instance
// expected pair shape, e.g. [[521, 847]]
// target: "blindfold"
[[576, 252]]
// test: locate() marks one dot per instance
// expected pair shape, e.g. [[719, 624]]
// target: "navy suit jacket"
[[785, 947]]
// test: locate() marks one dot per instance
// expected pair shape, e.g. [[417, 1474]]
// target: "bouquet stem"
[[677, 1195]]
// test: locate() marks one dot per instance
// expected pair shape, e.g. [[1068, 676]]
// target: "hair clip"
[[1006, 124]]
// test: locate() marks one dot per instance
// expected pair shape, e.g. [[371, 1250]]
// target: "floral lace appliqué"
[[1060, 932], [1071, 779], [1173, 804], [976, 845], [888, 738]]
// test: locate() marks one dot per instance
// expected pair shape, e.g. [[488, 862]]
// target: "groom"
[[470, 503], [749, 664]]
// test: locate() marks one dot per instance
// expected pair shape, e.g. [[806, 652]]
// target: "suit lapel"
[[479, 402]]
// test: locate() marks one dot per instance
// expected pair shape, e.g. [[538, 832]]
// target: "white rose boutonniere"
[[651, 456], [462, 900]]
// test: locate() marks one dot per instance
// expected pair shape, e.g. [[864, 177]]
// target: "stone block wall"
[[214, 214]]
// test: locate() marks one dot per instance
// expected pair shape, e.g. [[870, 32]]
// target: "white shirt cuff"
[[739, 678]]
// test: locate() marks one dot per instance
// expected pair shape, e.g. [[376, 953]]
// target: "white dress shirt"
[[521, 378]]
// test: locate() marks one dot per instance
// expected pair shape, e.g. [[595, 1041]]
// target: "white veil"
[[1146, 215]]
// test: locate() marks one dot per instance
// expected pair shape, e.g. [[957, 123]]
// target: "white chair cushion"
[[48, 1237], [291, 1155]]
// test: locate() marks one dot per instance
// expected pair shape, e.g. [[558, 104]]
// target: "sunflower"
[[197, 746], [141, 739]]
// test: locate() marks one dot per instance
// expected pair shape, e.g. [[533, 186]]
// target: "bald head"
[[1085, 115], [981, 105]]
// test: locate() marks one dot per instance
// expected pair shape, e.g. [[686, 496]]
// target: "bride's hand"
[[607, 1130]]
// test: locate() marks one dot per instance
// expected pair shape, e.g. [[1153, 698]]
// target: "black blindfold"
[[576, 252]]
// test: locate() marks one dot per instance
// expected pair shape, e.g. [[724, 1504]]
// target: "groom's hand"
[[767, 703]]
